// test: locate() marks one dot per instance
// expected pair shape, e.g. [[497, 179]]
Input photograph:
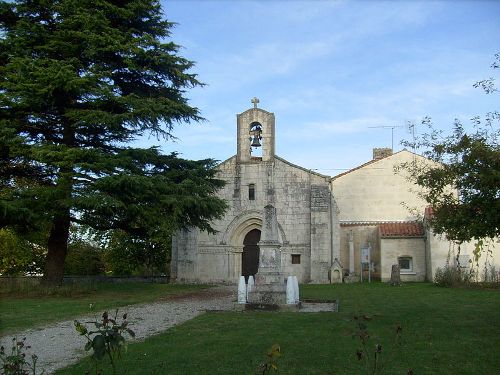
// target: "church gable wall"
[[374, 192], [286, 187]]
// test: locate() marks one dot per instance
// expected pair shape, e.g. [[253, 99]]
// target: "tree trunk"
[[57, 246]]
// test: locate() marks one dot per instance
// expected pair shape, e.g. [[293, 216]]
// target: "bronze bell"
[[256, 141]]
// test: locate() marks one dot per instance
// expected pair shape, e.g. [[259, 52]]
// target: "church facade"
[[306, 213], [352, 226]]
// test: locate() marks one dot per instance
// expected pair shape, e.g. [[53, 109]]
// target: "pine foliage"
[[79, 81]]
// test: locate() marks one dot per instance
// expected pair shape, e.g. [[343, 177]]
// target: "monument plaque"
[[320, 198]]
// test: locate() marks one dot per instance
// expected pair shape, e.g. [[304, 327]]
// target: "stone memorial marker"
[[395, 275], [270, 288]]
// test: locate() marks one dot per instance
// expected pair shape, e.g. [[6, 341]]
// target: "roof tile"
[[404, 229]]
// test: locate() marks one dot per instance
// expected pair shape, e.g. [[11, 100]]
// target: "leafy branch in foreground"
[[270, 365], [107, 339], [15, 363], [462, 182], [371, 350]]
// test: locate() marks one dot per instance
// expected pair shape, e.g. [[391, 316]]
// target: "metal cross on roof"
[[255, 101]]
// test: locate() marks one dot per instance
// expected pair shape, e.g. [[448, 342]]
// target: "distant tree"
[[467, 163], [80, 80], [19, 256], [83, 258], [126, 255]]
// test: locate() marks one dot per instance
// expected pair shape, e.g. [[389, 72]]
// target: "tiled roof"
[[404, 229]]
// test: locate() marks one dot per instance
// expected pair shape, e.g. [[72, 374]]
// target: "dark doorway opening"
[[250, 255]]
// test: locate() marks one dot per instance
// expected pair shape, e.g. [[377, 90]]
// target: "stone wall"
[[362, 236], [374, 192], [438, 251], [217, 258], [393, 248]]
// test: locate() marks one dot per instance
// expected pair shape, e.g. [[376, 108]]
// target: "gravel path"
[[58, 345]]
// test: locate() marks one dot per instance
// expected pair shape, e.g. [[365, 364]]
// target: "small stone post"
[[296, 289], [395, 275], [242, 290], [350, 238], [250, 285], [290, 291]]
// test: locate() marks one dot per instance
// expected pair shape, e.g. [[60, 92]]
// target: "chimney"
[[380, 153]]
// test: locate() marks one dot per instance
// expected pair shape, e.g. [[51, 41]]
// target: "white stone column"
[[250, 285], [296, 289], [290, 291], [242, 290], [234, 264], [351, 252]]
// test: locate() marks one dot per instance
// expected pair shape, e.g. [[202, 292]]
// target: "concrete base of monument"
[[268, 294], [267, 297], [266, 307], [303, 307]]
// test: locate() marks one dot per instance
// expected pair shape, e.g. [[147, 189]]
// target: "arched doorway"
[[250, 255]]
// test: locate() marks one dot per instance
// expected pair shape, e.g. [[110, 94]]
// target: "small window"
[[295, 258], [251, 192], [405, 264]]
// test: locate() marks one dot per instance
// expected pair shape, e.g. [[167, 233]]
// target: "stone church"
[[348, 227]]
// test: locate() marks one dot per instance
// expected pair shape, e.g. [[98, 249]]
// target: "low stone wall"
[[16, 282], [116, 279]]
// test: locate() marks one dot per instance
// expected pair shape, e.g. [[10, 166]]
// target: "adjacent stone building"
[[331, 229]]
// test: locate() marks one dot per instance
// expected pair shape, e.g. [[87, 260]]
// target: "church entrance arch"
[[250, 254]]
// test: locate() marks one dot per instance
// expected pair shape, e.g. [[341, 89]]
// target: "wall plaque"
[[320, 198]]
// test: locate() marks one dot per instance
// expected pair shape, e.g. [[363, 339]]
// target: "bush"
[[83, 259], [491, 275], [126, 255], [19, 256], [15, 362], [450, 276]]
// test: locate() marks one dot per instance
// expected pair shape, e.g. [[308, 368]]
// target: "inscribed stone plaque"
[[320, 198], [365, 255]]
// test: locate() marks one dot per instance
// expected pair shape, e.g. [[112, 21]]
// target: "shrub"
[[126, 255], [107, 340], [19, 256], [83, 259], [15, 363], [450, 276]]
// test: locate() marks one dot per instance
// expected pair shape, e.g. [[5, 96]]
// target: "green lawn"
[[445, 331], [31, 308]]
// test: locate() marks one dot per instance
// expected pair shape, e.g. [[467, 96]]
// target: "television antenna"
[[411, 129], [392, 127]]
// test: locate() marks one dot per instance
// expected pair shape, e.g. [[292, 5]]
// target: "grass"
[[445, 331], [37, 306]]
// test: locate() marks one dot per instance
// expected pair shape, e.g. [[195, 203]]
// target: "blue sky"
[[332, 70]]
